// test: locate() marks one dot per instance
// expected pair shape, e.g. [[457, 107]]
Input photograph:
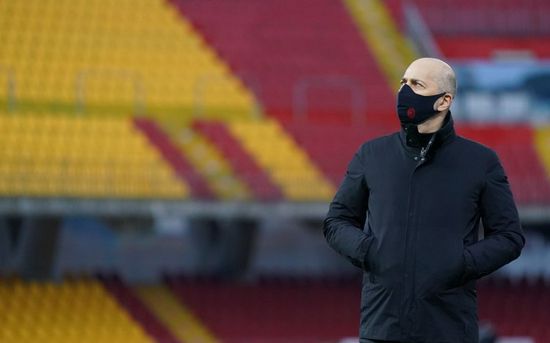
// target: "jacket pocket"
[[370, 258], [444, 317], [440, 269], [458, 279], [380, 308]]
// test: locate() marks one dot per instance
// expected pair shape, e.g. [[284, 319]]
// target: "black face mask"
[[413, 108]]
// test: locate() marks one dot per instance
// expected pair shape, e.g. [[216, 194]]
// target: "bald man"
[[408, 214]]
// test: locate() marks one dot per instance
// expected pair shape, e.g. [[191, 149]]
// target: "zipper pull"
[[424, 150]]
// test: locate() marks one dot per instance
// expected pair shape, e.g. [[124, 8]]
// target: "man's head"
[[430, 77]]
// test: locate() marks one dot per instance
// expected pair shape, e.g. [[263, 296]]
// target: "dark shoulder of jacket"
[[478, 153], [378, 145]]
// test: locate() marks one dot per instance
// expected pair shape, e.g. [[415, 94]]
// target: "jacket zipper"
[[424, 151], [410, 275]]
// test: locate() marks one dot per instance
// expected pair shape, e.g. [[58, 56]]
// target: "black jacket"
[[411, 222]]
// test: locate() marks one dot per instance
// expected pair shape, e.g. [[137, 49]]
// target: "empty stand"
[[542, 146], [241, 162], [287, 164], [476, 47], [80, 157], [482, 29], [332, 147], [276, 45], [282, 310], [489, 17], [391, 48], [158, 138], [524, 166], [210, 162], [205, 310], [516, 308], [138, 310], [313, 310], [523, 151], [174, 314], [75, 311], [115, 56]]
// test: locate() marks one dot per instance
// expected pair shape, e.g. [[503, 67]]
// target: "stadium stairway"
[[542, 145], [174, 314], [45, 155], [277, 47], [287, 164], [212, 164], [139, 311], [245, 166], [390, 47], [157, 136]]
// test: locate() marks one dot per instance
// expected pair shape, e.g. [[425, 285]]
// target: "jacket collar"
[[413, 141]]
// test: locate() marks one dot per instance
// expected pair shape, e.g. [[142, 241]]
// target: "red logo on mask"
[[411, 113]]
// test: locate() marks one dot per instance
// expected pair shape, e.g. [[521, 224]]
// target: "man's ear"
[[444, 103]]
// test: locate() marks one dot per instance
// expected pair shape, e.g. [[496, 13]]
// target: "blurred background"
[[165, 165]]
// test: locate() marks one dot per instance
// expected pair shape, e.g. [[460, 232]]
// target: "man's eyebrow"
[[404, 79]]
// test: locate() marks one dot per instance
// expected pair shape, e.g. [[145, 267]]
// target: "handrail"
[[419, 32], [137, 85], [10, 87]]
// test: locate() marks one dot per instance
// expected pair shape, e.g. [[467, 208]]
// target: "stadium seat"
[[72, 311], [212, 164], [480, 29], [332, 146], [114, 56], [288, 309], [288, 165], [81, 157], [284, 310], [138, 310], [277, 45], [523, 159], [242, 163]]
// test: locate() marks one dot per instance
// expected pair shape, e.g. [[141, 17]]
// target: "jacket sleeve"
[[504, 238], [343, 226]]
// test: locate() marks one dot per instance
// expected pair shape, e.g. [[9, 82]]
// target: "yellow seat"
[[46, 155], [114, 55], [77, 311], [284, 160]]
